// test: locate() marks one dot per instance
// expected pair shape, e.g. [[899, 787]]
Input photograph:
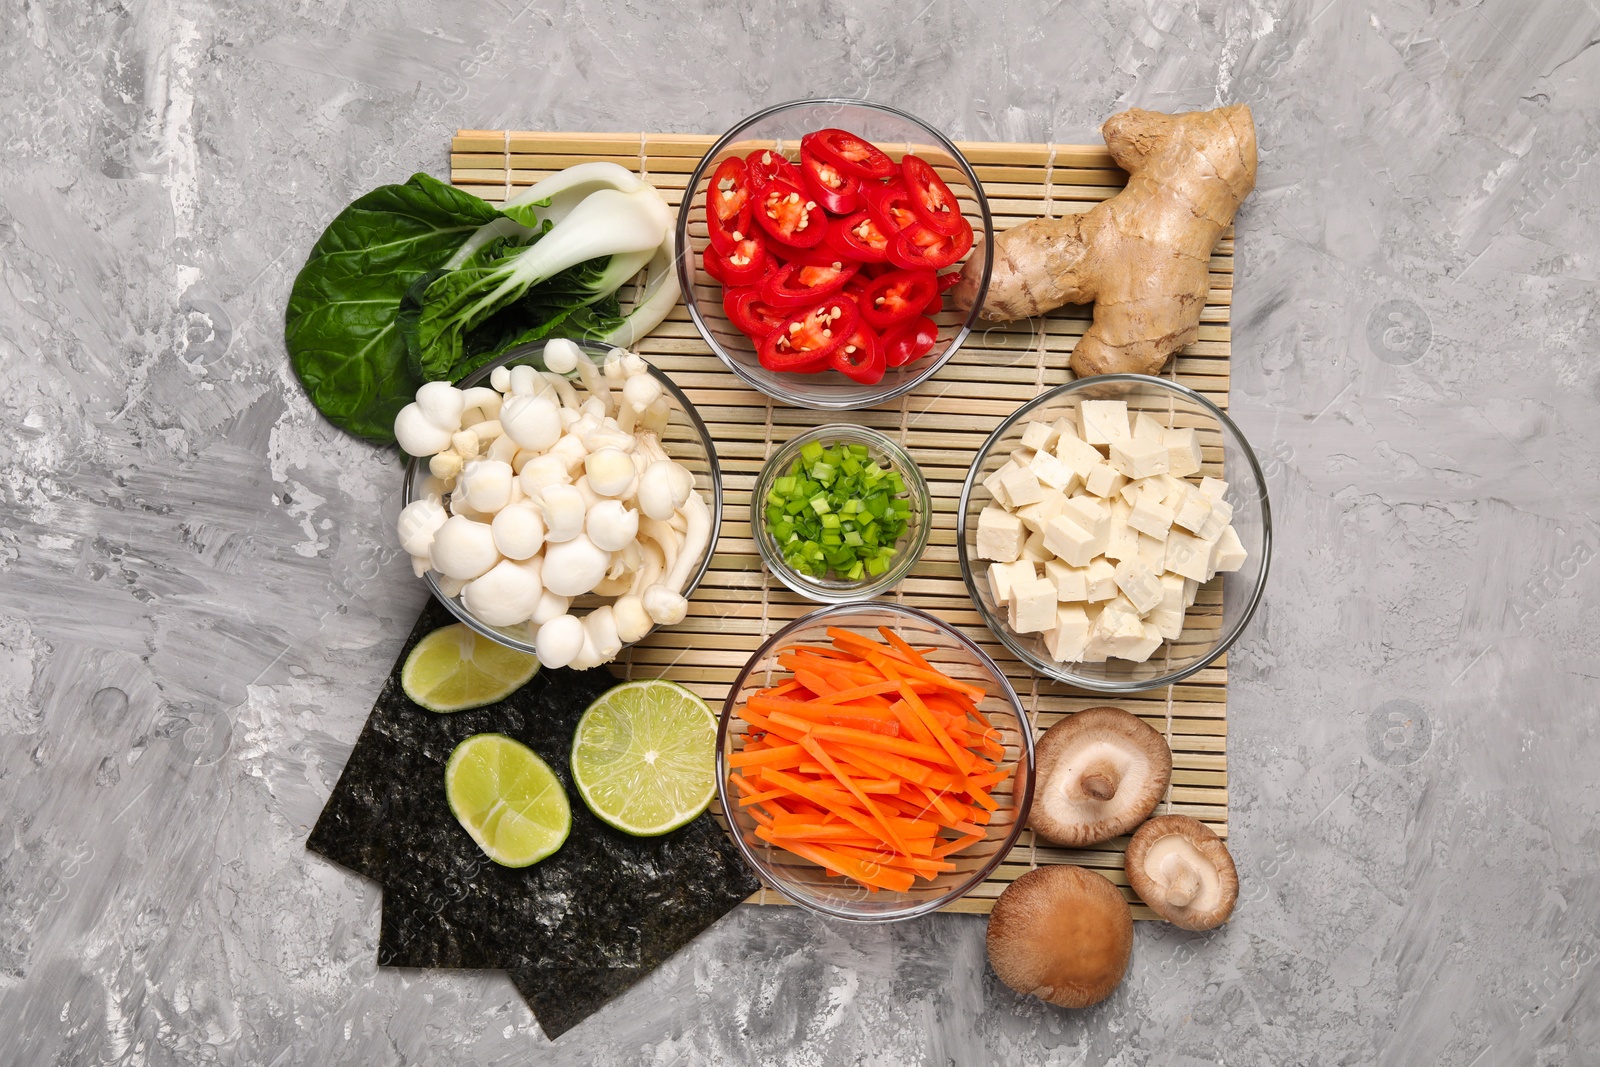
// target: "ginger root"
[[1142, 256]]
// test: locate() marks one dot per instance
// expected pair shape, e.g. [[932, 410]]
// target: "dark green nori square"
[[574, 930]]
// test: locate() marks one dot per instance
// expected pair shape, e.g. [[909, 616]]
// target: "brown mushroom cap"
[[1098, 774], [1062, 934], [1183, 871]]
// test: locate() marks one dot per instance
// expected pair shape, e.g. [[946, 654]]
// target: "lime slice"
[[507, 798], [454, 669], [644, 757]]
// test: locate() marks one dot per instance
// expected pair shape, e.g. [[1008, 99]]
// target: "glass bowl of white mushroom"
[[563, 500]]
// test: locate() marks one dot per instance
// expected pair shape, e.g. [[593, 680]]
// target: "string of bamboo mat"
[[941, 423]]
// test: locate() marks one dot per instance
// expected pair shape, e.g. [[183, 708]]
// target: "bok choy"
[[421, 282]]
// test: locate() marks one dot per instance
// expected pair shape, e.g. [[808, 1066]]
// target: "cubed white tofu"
[[1071, 542], [1039, 436], [1047, 507], [1002, 576], [1153, 550], [1141, 650], [1065, 640], [1173, 490], [1146, 427], [1150, 516], [1183, 451], [1033, 606], [1140, 584], [1192, 514], [1122, 542], [1000, 535], [1101, 422], [1168, 615], [1215, 488], [1104, 480], [1138, 459], [995, 483], [1021, 456], [1102, 581], [1021, 486], [1132, 491], [1188, 555], [1228, 553], [1079, 457], [1034, 550], [1090, 514], [1191, 590], [1118, 631], [1052, 472], [1072, 583], [1217, 520]]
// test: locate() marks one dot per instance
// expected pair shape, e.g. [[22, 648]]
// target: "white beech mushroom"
[[419, 520], [1182, 870], [559, 641], [505, 595], [539, 492], [563, 510], [612, 526], [463, 548], [518, 530], [574, 567], [1098, 774]]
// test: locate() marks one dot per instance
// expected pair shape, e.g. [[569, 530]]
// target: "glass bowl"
[[687, 441], [886, 453], [1225, 604], [780, 128], [953, 653]]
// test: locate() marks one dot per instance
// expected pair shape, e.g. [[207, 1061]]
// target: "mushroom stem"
[[1100, 781], [1183, 883]]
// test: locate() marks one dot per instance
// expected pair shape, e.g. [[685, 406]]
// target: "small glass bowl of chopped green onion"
[[840, 513]]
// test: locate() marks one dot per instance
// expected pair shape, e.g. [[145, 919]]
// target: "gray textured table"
[[197, 597]]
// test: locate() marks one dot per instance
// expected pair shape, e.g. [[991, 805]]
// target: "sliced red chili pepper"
[[729, 191], [712, 262], [765, 165], [931, 198], [850, 152], [822, 255], [892, 209], [752, 315], [861, 357], [860, 237], [802, 283], [747, 263], [724, 233], [909, 341], [805, 340], [946, 281], [897, 296], [836, 190], [921, 246], [790, 215]]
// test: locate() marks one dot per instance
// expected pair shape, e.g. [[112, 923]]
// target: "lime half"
[[455, 669], [644, 757], [507, 798]]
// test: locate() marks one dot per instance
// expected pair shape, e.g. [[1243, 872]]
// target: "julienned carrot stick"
[[866, 757]]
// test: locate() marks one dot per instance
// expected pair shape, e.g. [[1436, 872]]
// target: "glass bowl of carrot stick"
[[873, 763]]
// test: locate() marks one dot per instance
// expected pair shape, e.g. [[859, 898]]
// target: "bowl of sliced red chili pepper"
[[816, 241]]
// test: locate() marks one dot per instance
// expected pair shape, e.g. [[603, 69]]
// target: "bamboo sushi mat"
[[942, 423]]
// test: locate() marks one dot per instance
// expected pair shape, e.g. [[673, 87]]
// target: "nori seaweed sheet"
[[574, 930]]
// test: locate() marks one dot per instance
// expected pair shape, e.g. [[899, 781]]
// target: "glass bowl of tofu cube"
[[1115, 532], [840, 513]]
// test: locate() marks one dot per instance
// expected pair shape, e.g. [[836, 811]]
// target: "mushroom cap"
[[1062, 934], [1099, 774], [1183, 871]]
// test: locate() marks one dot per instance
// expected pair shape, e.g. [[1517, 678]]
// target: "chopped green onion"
[[837, 512]]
